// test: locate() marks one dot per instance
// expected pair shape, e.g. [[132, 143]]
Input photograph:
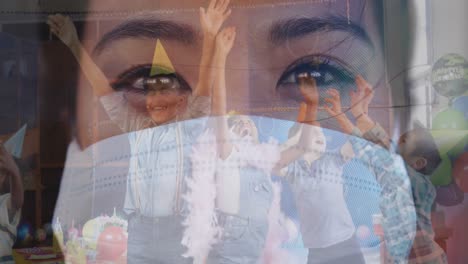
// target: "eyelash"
[[136, 76], [329, 72]]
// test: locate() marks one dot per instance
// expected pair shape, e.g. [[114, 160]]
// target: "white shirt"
[[317, 184], [7, 226]]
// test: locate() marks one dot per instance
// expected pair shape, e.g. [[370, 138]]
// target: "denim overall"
[[244, 233], [159, 163]]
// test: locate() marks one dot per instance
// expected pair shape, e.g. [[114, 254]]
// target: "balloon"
[[450, 119], [452, 142], [443, 174], [363, 232], [449, 195], [112, 243], [24, 232], [460, 171], [450, 75], [461, 104], [90, 232]]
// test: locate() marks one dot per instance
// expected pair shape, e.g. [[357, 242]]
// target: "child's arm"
[[115, 104], [360, 101], [333, 108], [211, 21], [9, 169], [311, 138], [224, 43], [64, 29]]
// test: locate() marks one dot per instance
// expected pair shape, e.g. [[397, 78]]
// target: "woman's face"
[[274, 44]]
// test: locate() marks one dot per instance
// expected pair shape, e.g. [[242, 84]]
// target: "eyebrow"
[[147, 28], [298, 27]]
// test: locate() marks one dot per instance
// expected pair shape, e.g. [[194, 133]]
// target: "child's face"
[[406, 148], [163, 106], [244, 126]]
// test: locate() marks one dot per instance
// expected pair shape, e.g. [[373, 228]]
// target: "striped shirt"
[[396, 205], [424, 249]]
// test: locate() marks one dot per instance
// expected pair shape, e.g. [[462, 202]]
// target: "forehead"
[[183, 5], [250, 18], [253, 23], [256, 62]]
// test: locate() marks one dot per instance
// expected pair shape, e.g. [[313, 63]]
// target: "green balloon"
[[450, 141], [443, 174], [450, 119]]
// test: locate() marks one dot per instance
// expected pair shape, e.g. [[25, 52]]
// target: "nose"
[[151, 98], [250, 75], [237, 66]]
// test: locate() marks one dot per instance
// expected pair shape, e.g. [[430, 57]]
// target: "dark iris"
[[328, 73], [138, 80]]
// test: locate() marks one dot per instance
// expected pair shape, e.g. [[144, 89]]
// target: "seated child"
[[10, 204]]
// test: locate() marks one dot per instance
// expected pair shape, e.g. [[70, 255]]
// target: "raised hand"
[[333, 106], [368, 92], [361, 99], [309, 91], [64, 29], [225, 40], [214, 16]]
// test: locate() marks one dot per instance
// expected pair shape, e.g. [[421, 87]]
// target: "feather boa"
[[263, 156], [201, 227], [279, 231]]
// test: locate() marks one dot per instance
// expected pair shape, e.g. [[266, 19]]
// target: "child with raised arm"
[[167, 97], [10, 204], [419, 152], [326, 224], [245, 192], [159, 146]]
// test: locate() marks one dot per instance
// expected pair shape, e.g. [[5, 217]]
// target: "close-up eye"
[[138, 80], [327, 71]]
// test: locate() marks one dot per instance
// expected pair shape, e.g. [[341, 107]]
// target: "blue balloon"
[[461, 104], [24, 231]]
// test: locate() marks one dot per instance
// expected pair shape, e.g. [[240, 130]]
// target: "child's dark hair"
[[426, 147]]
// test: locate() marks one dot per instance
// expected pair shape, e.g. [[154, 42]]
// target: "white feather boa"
[[280, 229], [263, 156], [201, 227]]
